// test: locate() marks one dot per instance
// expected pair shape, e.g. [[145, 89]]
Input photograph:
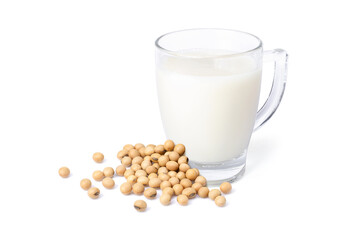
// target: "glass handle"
[[279, 57]]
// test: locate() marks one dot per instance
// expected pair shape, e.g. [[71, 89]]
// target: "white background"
[[77, 77]]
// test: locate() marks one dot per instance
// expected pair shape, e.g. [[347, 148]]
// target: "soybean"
[[189, 192], [125, 188], [165, 199], [108, 172], [108, 182], [220, 201], [150, 193], [126, 161], [168, 190], [172, 165], [64, 172], [140, 205], [180, 149], [169, 145], [98, 157], [94, 192], [225, 187], [191, 174], [202, 180], [183, 200], [120, 170], [98, 175], [203, 192], [214, 193], [85, 184], [138, 188], [178, 188], [154, 182]]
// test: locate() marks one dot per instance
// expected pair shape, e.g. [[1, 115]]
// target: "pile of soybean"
[[152, 167]]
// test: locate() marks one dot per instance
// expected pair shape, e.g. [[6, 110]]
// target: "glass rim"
[[175, 53]]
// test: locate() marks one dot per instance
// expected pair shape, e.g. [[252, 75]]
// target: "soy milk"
[[209, 102]]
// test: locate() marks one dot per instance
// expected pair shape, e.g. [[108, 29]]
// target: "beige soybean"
[[163, 170], [191, 174], [180, 149], [197, 171], [140, 173], [172, 173], [120, 170], [168, 190], [134, 153], [214, 193], [138, 146], [128, 147], [220, 201], [151, 169], [165, 184], [98, 175], [146, 163], [178, 188], [186, 183], [98, 157], [172, 165], [174, 181], [203, 192], [147, 158], [202, 180], [163, 160], [169, 145], [183, 200], [180, 175], [94, 192], [108, 172], [137, 160], [174, 156], [135, 167], [151, 145], [150, 193], [165, 199], [225, 187], [122, 154], [143, 180], [140, 205], [131, 179], [184, 167], [138, 188], [164, 177], [152, 175], [182, 159], [156, 165], [64, 172], [126, 188], [128, 172], [160, 149], [142, 152], [197, 186], [154, 182], [85, 184], [189, 192], [149, 150], [126, 161], [108, 182], [155, 157]]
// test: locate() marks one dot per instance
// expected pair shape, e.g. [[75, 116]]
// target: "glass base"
[[217, 173]]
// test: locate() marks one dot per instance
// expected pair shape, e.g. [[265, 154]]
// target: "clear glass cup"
[[208, 84]]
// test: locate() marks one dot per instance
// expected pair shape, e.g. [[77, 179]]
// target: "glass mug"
[[208, 84]]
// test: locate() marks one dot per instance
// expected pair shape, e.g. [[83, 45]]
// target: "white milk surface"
[[209, 103]]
